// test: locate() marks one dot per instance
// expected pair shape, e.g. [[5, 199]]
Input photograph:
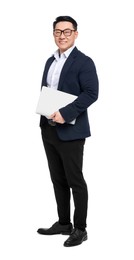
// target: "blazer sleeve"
[[89, 86]]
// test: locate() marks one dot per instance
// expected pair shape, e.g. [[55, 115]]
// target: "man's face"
[[66, 39]]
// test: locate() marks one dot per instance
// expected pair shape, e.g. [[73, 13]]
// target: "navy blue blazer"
[[78, 77]]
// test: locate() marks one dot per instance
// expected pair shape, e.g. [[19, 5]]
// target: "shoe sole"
[[66, 233], [51, 234]]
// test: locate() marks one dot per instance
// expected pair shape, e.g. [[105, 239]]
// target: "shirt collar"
[[65, 54]]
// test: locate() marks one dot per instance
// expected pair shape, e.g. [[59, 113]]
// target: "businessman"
[[71, 71]]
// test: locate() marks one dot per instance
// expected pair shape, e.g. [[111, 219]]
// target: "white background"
[[26, 194]]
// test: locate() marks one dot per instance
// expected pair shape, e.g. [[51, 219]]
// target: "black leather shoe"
[[76, 238], [56, 228]]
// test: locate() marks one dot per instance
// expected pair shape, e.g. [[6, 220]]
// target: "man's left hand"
[[57, 117]]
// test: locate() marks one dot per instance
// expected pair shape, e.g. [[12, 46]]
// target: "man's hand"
[[57, 117]]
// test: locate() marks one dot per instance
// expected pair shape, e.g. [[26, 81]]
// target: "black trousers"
[[65, 161]]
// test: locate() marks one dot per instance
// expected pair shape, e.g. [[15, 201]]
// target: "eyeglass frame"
[[62, 31]]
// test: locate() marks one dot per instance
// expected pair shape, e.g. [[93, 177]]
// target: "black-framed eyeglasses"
[[66, 32]]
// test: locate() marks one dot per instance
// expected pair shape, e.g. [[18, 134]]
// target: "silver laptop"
[[51, 100]]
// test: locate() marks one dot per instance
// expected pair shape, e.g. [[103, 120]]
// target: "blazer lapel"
[[66, 67]]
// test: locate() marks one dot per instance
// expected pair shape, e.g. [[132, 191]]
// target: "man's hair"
[[65, 19]]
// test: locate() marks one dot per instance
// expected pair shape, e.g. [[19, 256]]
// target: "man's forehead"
[[64, 25]]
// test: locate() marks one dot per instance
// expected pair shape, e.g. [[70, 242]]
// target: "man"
[[70, 71]]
